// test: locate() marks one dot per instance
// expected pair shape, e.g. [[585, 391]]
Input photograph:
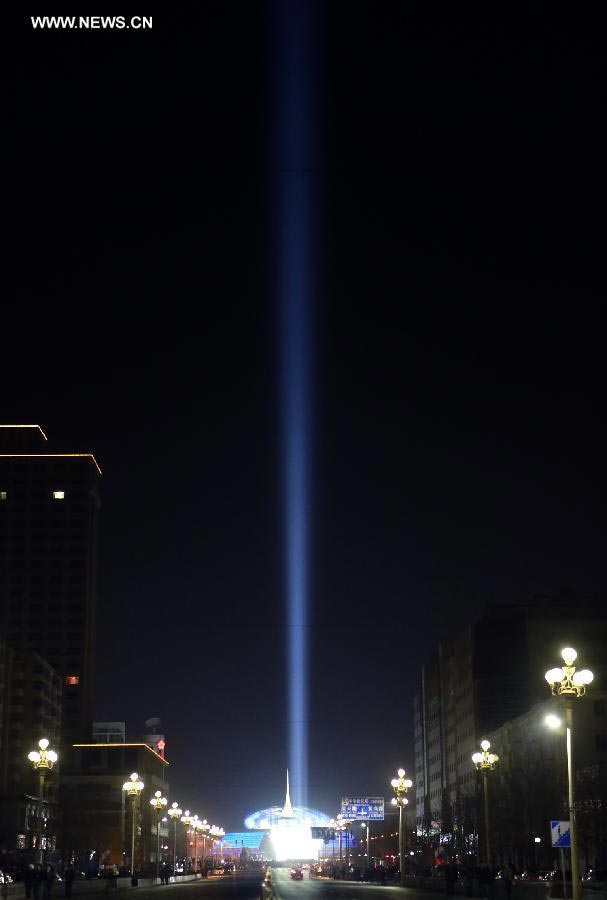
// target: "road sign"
[[561, 833], [362, 808]]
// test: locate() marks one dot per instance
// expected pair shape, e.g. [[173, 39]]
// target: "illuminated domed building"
[[289, 829]]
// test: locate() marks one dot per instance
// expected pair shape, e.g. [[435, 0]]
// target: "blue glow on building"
[[295, 184], [266, 819]]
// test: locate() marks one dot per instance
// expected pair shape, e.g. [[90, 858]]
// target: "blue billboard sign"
[[362, 808]]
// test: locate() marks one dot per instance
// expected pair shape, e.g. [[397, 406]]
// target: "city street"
[[319, 888], [244, 887]]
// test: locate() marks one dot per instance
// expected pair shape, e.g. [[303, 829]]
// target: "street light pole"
[[158, 803], [565, 681], [187, 821], [42, 760], [401, 785], [196, 825], [205, 836], [175, 815], [133, 788], [485, 762]]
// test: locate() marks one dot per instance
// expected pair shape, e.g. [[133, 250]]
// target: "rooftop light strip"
[[27, 426], [52, 456]]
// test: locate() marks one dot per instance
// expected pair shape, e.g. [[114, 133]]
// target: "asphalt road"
[[285, 888], [242, 887]]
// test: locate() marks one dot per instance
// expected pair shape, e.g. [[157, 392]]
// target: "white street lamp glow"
[[401, 785], [552, 721], [43, 761], [569, 655], [570, 684], [134, 785], [554, 675]]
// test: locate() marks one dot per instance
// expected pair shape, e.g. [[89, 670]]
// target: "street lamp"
[[366, 825], [485, 762], [205, 828], [187, 821], [221, 834], [196, 825], [43, 761], [158, 803], [133, 788], [174, 815], [401, 785], [565, 681]]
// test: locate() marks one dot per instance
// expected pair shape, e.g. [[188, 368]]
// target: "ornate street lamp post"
[[158, 803], [196, 825], [205, 828], [187, 821], [133, 788], [570, 684], [401, 785], [485, 762], [174, 815], [43, 761]]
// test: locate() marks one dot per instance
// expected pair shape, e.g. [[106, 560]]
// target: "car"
[[296, 874]]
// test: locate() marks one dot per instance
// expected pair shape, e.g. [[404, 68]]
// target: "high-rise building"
[[30, 701], [49, 507], [488, 673]]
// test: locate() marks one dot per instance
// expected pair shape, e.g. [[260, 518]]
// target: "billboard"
[[362, 808]]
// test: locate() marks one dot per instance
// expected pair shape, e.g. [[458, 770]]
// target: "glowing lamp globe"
[[553, 676], [552, 721], [569, 655]]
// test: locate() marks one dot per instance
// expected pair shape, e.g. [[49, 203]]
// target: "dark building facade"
[[31, 694], [49, 507], [95, 812], [485, 675]]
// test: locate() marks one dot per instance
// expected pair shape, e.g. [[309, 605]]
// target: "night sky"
[[458, 356]]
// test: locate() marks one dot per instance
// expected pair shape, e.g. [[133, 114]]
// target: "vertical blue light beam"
[[295, 182]]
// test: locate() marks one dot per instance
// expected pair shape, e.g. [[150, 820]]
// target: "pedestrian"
[[48, 879], [491, 876], [450, 876], [36, 881], [28, 881], [508, 878], [68, 879]]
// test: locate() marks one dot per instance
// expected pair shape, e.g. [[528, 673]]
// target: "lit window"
[[72, 679], [2, 495], [58, 495]]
